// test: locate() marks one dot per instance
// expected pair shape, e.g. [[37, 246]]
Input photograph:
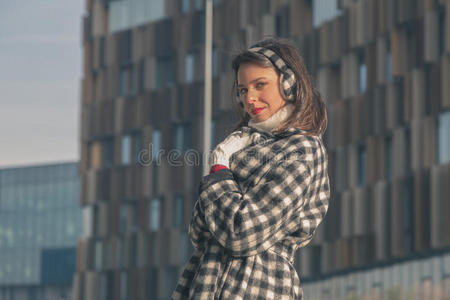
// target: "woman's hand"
[[234, 142]]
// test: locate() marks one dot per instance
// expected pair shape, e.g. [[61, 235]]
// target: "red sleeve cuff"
[[216, 168]]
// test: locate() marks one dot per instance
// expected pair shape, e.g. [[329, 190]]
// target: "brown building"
[[383, 68]]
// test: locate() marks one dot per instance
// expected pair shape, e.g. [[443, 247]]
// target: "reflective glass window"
[[107, 152], [98, 255], [178, 211], [442, 34], [444, 137], [215, 72], [184, 6], [164, 71], [123, 227], [212, 136], [137, 147], [389, 155], [388, 62], [141, 76], [155, 214], [124, 14], [124, 81], [88, 221], [189, 67], [126, 147], [362, 73], [198, 4], [123, 285], [179, 137], [324, 10], [361, 165], [156, 143]]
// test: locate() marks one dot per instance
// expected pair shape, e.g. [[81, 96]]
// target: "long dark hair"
[[309, 114]]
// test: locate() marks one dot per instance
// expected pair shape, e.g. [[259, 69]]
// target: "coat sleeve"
[[251, 222]]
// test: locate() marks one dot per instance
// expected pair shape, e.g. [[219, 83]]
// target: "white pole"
[[207, 85]]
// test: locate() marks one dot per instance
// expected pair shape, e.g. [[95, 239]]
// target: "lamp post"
[[207, 86]]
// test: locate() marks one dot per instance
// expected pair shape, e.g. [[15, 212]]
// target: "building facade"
[[40, 224], [383, 68]]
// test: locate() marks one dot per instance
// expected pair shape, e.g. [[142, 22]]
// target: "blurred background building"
[[383, 68], [40, 224]]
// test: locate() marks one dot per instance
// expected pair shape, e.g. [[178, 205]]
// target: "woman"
[[268, 188]]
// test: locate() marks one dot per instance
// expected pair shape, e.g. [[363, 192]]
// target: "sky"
[[40, 81]]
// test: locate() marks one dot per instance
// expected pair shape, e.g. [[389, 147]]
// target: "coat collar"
[[288, 132]]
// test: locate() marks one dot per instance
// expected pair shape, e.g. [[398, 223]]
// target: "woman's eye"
[[260, 84], [242, 91]]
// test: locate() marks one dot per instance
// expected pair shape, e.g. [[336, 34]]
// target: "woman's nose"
[[251, 96]]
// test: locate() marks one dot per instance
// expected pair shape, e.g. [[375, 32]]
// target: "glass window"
[[103, 289], [164, 71], [282, 23], [98, 255], [88, 221], [153, 283], [324, 10], [125, 81], [185, 246], [212, 136], [102, 52], [408, 214], [134, 217], [132, 13], [126, 147], [184, 6], [361, 165], [120, 253], [155, 214], [444, 137], [388, 62], [124, 218], [442, 36], [187, 136], [189, 67], [133, 82], [214, 62], [362, 73], [178, 214], [123, 285], [170, 280], [182, 137], [137, 146], [107, 152], [388, 161], [408, 149], [179, 137], [156, 143], [198, 4], [141, 76]]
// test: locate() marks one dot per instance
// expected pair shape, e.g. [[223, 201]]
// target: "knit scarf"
[[275, 120]]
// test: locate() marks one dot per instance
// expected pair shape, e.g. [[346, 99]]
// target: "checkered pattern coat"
[[250, 219]]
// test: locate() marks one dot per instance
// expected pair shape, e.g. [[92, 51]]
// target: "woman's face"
[[259, 91]]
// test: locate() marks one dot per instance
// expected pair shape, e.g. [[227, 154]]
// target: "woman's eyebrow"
[[253, 80]]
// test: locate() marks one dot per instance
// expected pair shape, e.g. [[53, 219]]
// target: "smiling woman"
[[268, 188], [258, 91]]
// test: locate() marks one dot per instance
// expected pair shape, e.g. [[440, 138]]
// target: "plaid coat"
[[250, 219]]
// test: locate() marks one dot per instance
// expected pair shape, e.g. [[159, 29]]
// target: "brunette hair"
[[309, 114]]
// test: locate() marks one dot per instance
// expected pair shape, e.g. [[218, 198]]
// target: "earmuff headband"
[[287, 76]]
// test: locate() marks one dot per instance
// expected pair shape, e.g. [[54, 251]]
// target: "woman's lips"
[[256, 111]]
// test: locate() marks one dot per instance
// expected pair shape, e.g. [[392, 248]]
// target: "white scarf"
[[275, 120]]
